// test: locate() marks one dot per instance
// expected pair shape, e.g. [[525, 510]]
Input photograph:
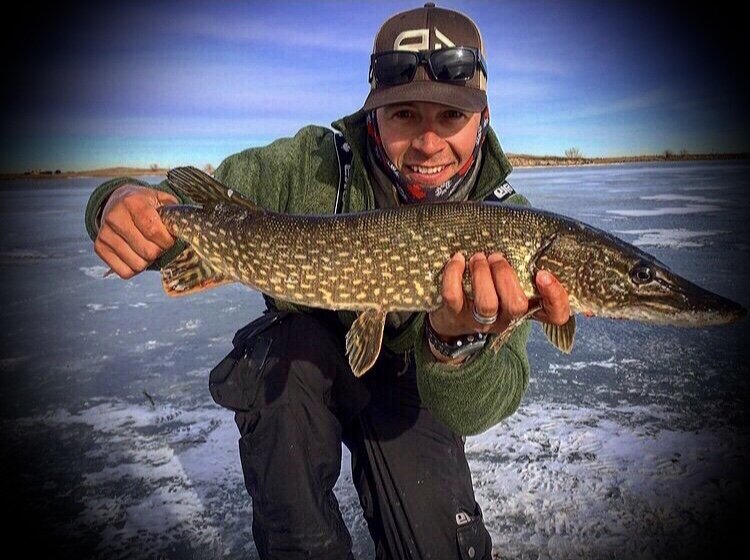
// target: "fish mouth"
[[704, 316], [688, 305]]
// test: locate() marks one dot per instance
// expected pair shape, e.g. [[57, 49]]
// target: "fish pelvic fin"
[[561, 336], [205, 190], [189, 274], [364, 339], [503, 337]]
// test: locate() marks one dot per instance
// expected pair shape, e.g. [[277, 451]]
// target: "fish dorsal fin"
[[364, 339], [204, 189], [561, 336], [189, 274]]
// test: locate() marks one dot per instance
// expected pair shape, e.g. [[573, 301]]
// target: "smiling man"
[[422, 135]]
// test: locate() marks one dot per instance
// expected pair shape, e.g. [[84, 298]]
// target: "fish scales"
[[391, 258]]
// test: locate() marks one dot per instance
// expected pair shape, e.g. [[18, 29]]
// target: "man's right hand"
[[132, 235]]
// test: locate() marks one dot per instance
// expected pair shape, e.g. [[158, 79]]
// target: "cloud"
[[262, 125], [264, 30], [160, 84], [513, 60], [645, 100], [512, 90]]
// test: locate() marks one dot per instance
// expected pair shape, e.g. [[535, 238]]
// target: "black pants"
[[295, 401]]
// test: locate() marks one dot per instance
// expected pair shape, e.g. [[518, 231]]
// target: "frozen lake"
[[634, 446]]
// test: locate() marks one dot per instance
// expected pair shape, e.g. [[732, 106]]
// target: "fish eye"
[[641, 274]]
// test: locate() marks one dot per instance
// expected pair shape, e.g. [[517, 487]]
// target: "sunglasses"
[[454, 64]]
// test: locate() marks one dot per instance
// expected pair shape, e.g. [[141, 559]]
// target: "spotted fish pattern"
[[392, 260]]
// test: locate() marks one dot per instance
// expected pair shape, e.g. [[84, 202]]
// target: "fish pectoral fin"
[[503, 337], [189, 274], [561, 336], [364, 339], [204, 189]]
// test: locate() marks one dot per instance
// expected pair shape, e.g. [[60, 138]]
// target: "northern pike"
[[373, 262]]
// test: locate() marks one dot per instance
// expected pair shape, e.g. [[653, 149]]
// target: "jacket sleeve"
[[483, 390]]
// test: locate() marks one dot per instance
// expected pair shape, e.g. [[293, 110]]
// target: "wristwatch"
[[460, 347]]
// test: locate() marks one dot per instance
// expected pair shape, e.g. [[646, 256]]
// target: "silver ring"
[[481, 319]]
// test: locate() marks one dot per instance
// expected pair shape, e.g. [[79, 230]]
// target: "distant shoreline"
[[523, 160], [517, 160]]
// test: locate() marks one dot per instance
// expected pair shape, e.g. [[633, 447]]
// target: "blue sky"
[[179, 83]]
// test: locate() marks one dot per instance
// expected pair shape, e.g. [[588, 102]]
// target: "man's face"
[[428, 142]]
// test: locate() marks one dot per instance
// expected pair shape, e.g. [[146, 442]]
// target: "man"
[[422, 135]]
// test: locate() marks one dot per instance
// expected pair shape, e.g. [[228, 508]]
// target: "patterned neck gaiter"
[[414, 192]]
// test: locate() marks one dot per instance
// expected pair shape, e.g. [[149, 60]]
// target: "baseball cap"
[[428, 29]]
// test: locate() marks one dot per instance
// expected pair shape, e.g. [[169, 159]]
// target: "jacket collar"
[[495, 164]]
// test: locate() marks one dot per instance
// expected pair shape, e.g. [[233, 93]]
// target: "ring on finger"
[[482, 319]]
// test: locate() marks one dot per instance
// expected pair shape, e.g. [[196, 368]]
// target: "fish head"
[[608, 277]]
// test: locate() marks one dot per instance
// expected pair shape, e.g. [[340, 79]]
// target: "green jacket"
[[300, 175]]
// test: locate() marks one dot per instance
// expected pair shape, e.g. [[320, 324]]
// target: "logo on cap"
[[424, 40]]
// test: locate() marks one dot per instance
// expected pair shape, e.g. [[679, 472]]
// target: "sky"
[[178, 83]]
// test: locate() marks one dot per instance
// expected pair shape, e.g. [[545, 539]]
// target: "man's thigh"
[[412, 475]]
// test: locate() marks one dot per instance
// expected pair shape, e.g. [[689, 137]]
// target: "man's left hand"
[[497, 291]]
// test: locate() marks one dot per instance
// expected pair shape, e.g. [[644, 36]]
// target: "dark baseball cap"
[[429, 29]]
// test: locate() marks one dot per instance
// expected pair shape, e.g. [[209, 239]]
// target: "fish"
[[380, 261]]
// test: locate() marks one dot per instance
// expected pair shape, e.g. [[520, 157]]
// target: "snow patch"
[[676, 210], [97, 272], [684, 198], [151, 345], [673, 238], [14, 256], [101, 307]]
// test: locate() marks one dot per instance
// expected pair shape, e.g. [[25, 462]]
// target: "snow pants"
[[296, 400]]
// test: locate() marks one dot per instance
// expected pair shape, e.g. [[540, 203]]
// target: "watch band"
[[458, 348]]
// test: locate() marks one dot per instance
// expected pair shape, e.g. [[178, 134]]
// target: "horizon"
[[647, 158], [191, 83]]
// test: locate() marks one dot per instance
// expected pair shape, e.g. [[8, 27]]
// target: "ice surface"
[[572, 482], [631, 447]]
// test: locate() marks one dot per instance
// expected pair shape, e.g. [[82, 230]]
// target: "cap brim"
[[461, 97]]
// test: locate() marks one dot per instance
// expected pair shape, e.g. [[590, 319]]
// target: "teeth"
[[427, 170]]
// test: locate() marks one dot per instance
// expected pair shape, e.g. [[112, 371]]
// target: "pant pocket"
[[235, 381], [474, 542]]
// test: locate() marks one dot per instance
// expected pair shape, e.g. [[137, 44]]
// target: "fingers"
[[110, 241], [144, 213], [513, 300], [164, 199], [121, 224], [152, 230], [132, 234], [554, 297], [485, 296], [107, 254], [452, 287]]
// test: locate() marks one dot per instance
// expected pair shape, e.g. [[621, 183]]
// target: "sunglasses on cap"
[[453, 64]]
